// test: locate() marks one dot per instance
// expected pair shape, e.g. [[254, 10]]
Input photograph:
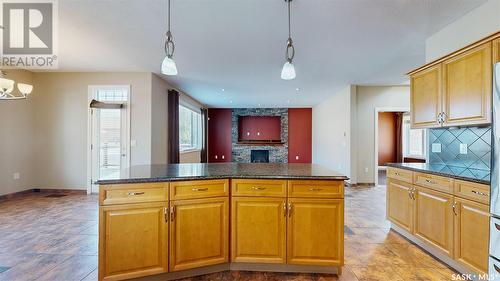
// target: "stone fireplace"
[[276, 153]]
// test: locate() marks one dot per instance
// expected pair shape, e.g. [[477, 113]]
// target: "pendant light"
[[168, 66], [7, 87], [288, 71]]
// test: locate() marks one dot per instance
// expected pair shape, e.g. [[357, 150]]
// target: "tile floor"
[[47, 238]]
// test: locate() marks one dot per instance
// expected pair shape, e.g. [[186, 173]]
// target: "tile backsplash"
[[478, 147]]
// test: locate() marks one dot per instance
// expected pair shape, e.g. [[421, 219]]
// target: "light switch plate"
[[463, 148], [436, 147]]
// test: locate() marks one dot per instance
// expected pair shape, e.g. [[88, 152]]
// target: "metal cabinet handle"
[[200, 189], [479, 193], [165, 212], [454, 207], [396, 173], [409, 194], [497, 226], [284, 209], [290, 209], [258, 188], [429, 181], [443, 117], [172, 213], [315, 189], [439, 120], [135, 193]]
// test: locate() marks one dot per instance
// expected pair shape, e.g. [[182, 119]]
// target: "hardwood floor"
[[55, 238]]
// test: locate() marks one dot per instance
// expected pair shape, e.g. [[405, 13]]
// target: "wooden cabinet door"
[[426, 97], [434, 219], [496, 50], [467, 87], [315, 232], [400, 204], [471, 234], [198, 232], [258, 230], [133, 240]]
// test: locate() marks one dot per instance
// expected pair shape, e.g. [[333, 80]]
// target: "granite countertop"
[[473, 175], [200, 171]]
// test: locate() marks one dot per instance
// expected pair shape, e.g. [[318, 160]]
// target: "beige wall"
[[61, 113], [159, 120], [17, 139], [332, 131], [367, 99], [478, 23], [190, 157]]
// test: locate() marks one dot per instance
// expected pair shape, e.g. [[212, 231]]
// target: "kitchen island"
[[181, 220]]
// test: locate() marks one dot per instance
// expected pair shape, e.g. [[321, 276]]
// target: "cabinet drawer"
[[133, 193], [433, 182], [400, 174], [254, 187], [472, 191], [316, 189], [198, 189]]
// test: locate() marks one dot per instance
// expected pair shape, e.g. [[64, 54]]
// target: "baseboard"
[[42, 190]]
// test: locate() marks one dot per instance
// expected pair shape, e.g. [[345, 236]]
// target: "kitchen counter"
[[204, 171], [473, 175]]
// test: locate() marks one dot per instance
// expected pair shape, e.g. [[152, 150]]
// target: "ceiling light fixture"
[[168, 66], [288, 71], [7, 86]]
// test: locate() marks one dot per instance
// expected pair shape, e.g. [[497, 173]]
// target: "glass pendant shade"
[[288, 71], [168, 66], [6, 85], [25, 89]]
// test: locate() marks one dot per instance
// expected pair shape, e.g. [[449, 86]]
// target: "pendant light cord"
[[289, 28], [168, 15]]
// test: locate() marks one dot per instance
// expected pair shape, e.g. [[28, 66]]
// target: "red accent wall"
[[219, 135], [259, 128], [300, 135], [387, 138]]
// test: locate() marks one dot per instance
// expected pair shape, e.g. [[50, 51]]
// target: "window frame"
[[197, 114], [406, 140]]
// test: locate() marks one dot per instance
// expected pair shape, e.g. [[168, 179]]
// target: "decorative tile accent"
[[277, 153], [476, 162]]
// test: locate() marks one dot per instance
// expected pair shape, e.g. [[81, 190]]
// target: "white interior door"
[[110, 146]]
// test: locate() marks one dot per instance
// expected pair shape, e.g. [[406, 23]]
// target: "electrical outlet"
[[133, 143], [296, 157], [17, 176], [436, 147], [366, 169], [463, 148]]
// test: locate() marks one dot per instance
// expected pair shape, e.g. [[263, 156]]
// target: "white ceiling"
[[239, 45]]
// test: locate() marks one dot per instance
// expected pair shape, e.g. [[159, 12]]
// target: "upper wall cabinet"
[[455, 90], [496, 50], [467, 87], [426, 97]]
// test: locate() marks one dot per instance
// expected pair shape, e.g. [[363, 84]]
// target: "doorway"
[[388, 140], [109, 133]]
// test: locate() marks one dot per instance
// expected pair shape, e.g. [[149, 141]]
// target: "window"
[[189, 129], [413, 140]]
